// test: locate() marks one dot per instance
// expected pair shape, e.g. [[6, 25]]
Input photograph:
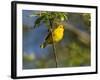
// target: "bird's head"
[[61, 27]]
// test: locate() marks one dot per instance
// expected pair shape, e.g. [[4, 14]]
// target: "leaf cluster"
[[47, 17]]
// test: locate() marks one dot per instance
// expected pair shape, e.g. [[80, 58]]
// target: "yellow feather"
[[57, 35]]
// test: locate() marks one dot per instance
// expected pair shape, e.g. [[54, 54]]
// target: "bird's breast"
[[57, 35]]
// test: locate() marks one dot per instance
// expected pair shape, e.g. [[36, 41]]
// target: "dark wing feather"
[[48, 38]]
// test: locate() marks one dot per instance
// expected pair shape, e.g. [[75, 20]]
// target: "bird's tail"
[[43, 45]]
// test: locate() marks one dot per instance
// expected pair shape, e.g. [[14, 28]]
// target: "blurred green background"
[[72, 51]]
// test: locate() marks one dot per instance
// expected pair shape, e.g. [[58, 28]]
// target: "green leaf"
[[38, 21], [62, 18], [66, 17], [33, 15]]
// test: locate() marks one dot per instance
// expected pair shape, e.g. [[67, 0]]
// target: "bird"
[[54, 36]]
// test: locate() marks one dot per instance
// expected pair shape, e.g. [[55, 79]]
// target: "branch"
[[83, 36]]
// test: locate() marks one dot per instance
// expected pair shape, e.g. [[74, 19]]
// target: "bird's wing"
[[47, 36]]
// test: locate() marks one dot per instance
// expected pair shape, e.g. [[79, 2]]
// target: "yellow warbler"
[[55, 36]]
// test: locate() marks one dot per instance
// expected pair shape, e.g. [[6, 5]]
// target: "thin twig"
[[54, 49]]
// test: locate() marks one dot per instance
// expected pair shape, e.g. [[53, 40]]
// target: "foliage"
[[87, 20], [79, 55], [50, 17]]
